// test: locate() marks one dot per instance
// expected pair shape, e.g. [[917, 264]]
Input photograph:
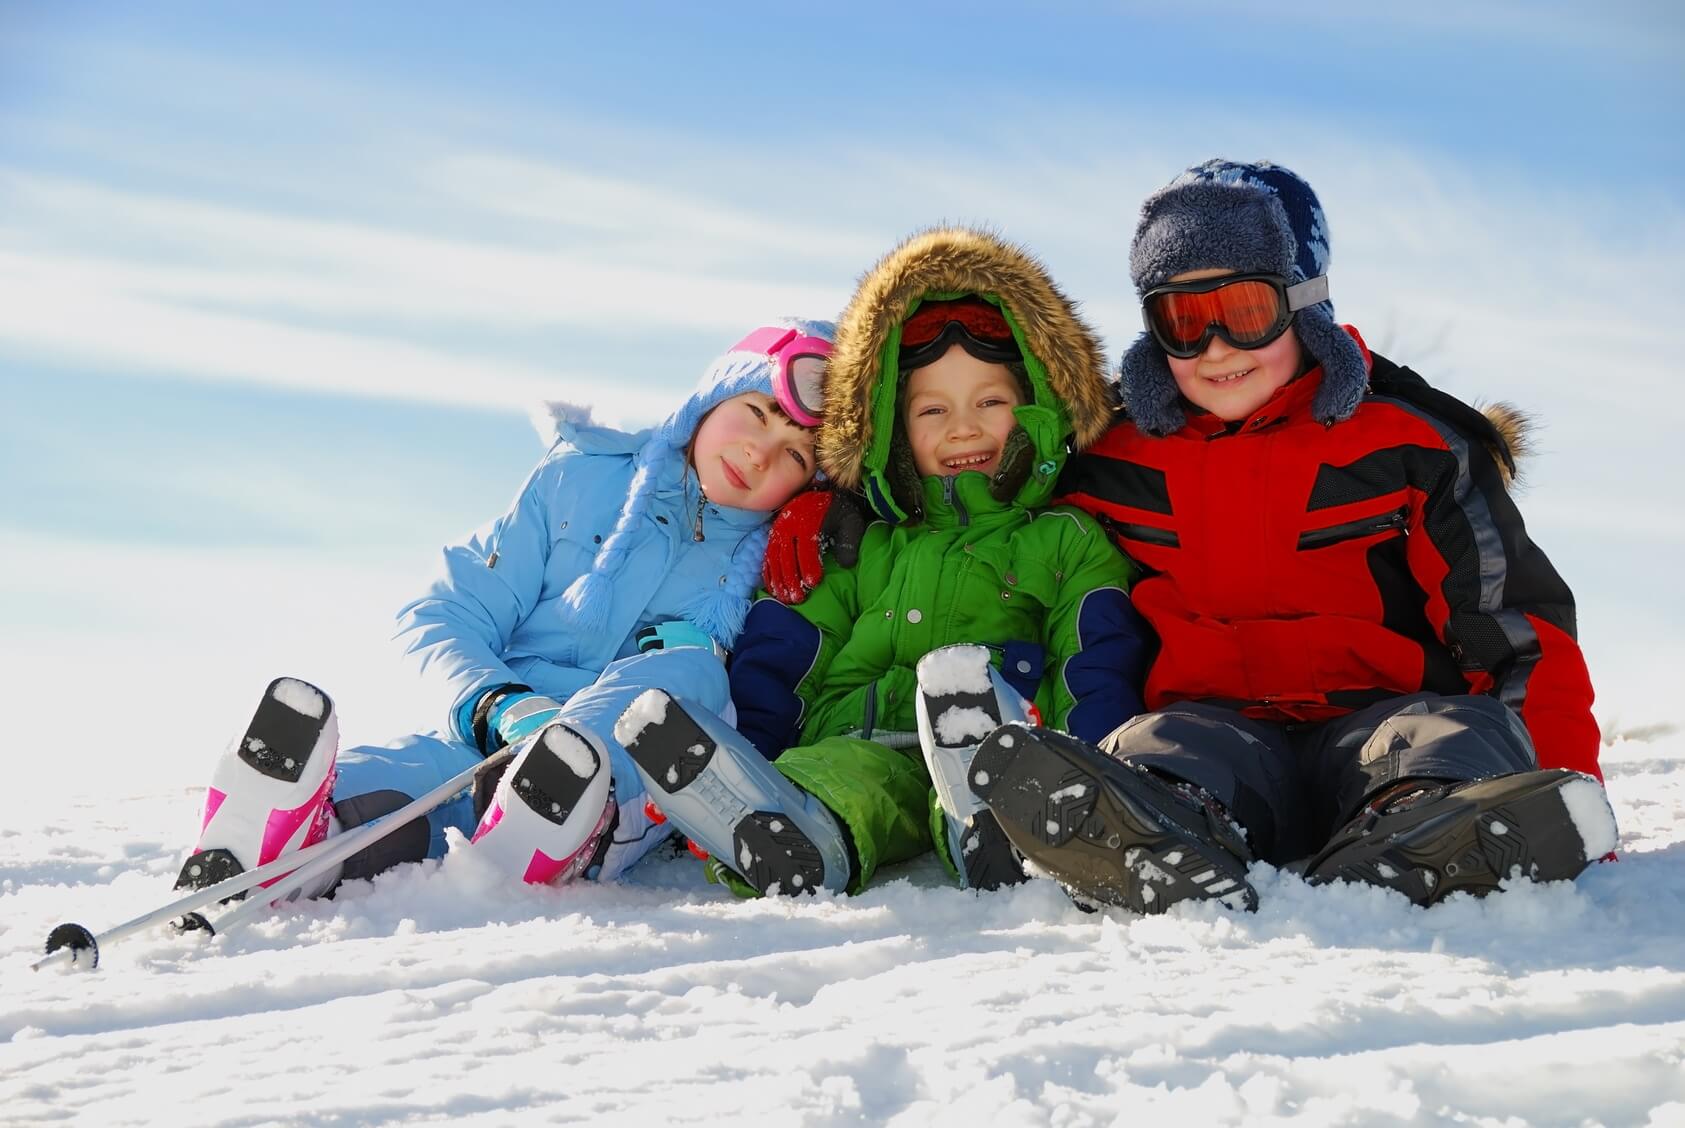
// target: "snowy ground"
[[441, 993]]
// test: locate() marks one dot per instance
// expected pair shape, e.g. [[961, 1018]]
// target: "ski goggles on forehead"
[[1246, 310], [798, 374], [975, 325]]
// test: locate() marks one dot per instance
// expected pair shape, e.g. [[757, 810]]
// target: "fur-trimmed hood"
[[1073, 403]]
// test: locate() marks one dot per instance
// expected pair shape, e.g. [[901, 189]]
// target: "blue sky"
[[285, 278]]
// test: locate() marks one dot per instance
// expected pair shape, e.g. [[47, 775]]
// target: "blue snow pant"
[[1291, 786], [375, 781]]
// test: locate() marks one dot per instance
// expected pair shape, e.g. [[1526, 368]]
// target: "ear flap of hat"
[[1149, 390], [1345, 373]]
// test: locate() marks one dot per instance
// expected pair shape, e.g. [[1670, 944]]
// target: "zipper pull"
[[702, 500]]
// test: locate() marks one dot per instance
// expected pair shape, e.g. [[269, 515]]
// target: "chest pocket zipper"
[[1146, 534], [1397, 519]]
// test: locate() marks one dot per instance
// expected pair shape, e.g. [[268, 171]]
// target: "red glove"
[[815, 521]]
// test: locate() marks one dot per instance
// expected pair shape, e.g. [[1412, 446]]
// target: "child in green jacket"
[[962, 380]]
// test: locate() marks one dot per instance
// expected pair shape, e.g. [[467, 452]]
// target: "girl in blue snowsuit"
[[623, 564]]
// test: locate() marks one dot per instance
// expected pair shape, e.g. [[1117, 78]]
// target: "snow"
[[571, 750], [955, 669], [650, 708], [1590, 814], [299, 697], [961, 725], [443, 992]]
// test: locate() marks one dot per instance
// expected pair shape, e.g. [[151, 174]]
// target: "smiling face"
[[749, 455], [959, 412], [1233, 383]]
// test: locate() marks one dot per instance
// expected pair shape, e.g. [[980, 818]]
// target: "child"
[[1365, 661], [626, 561], [961, 377]]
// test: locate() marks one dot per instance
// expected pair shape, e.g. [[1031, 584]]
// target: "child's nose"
[[1218, 349]]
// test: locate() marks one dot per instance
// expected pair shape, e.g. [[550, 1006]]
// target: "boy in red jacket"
[[1365, 660]]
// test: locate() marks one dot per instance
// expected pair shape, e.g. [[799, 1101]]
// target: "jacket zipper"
[[1354, 530], [954, 502], [1146, 534], [871, 719]]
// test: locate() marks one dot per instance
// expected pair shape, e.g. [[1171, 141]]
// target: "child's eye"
[[801, 459], [994, 401], [759, 414], [932, 409]]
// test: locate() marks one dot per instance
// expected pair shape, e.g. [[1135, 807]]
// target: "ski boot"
[[960, 701], [550, 815], [1108, 831], [1439, 838], [723, 795], [269, 793]]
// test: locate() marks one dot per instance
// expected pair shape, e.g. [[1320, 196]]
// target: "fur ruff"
[[956, 259], [1517, 428]]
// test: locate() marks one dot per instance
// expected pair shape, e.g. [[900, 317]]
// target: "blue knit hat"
[[1241, 217], [717, 611]]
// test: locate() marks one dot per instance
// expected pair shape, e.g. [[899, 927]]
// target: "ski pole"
[[67, 942], [253, 906]]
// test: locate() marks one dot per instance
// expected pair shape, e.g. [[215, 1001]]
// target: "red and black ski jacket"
[[1297, 571]]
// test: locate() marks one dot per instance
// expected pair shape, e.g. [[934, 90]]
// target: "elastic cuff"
[[482, 715]]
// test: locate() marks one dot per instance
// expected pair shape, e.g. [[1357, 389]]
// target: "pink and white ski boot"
[[552, 808], [268, 795]]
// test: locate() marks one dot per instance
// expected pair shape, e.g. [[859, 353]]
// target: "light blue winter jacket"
[[552, 591]]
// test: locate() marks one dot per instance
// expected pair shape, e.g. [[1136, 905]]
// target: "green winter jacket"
[[962, 558], [973, 570]]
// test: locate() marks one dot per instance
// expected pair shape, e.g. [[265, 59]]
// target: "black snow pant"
[[1291, 786]]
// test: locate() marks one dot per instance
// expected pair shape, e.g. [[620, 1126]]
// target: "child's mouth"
[[969, 461], [732, 476], [1231, 377]]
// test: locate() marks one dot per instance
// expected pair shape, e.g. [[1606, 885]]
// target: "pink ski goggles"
[[798, 376]]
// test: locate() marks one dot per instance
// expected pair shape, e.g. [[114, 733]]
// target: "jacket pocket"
[[1145, 534], [1022, 664], [1394, 521]]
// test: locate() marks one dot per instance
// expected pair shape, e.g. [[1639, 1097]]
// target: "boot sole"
[[1101, 834], [548, 785], [549, 816], [765, 848], [982, 852], [1472, 841], [277, 747]]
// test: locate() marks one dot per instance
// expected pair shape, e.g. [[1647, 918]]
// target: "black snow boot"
[[1438, 838], [1108, 831]]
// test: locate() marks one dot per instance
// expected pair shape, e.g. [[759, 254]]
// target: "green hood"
[[1071, 403]]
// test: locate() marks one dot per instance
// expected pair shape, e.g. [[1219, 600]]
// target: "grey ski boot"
[[721, 793]]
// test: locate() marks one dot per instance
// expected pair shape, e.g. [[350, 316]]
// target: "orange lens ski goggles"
[[1246, 310]]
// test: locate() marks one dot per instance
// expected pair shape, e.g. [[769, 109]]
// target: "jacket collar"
[[954, 500]]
